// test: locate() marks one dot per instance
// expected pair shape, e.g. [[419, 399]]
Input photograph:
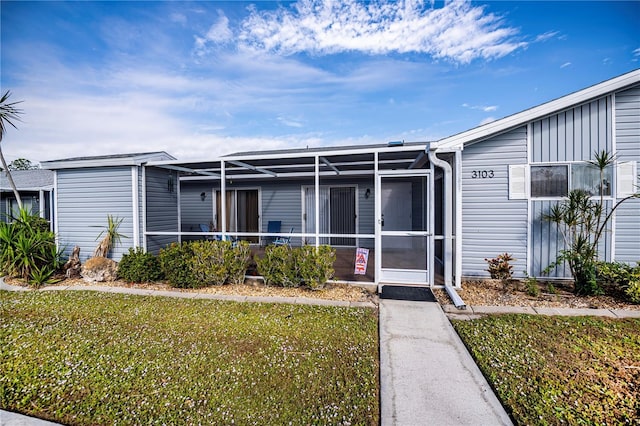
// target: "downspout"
[[447, 224]]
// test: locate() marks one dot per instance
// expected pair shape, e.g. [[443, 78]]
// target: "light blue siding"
[[491, 223], [627, 216], [85, 198], [162, 207], [573, 135], [194, 210]]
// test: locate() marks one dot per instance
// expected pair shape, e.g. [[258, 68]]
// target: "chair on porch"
[[273, 227], [205, 228], [283, 241]]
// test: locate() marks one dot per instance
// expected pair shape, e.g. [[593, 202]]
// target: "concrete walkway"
[[427, 377]]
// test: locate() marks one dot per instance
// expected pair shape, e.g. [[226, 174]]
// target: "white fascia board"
[[327, 153], [532, 114], [103, 162]]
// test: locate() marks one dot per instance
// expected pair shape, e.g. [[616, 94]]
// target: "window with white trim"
[[550, 181]]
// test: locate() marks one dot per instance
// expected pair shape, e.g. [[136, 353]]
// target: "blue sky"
[[206, 78]]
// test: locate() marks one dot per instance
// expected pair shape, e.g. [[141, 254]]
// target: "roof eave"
[[522, 118]]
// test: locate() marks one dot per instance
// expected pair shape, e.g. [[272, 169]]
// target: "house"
[[36, 192], [429, 212]]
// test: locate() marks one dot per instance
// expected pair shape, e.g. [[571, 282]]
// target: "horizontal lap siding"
[[85, 198], [193, 209], [282, 201], [627, 219], [491, 223], [162, 207]]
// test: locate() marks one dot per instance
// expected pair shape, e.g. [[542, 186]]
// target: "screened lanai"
[[377, 197]]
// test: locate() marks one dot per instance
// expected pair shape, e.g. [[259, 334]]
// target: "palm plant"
[[582, 220], [8, 114], [110, 237]]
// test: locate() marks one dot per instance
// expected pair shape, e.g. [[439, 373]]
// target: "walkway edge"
[[192, 295], [476, 311]]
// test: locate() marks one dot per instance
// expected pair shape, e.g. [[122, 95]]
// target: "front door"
[[403, 227]]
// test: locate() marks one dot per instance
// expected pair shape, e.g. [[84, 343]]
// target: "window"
[[557, 180], [549, 181], [587, 177]]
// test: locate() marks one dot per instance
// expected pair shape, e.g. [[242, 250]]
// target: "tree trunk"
[[10, 178]]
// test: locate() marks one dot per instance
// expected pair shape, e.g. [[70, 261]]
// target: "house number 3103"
[[482, 174]]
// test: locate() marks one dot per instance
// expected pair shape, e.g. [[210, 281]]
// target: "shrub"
[[174, 262], [277, 266], [237, 261], [620, 279], [292, 267], [140, 267], [500, 268], [207, 262], [28, 249], [315, 266]]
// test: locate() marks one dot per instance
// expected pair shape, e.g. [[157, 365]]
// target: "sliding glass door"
[[242, 212]]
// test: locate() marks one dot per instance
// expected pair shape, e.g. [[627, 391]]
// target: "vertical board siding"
[[162, 207], [627, 219], [573, 135], [491, 223], [85, 198]]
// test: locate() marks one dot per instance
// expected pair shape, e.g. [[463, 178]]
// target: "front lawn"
[[95, 358], [560, 370]]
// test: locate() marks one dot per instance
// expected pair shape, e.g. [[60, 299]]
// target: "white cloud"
[[487, 120], [565, 65], [484, 108], [457, 32], [546, 36], [636, 52], [219, 33]]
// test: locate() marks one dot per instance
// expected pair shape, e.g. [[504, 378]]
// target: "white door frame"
[[403, 276]]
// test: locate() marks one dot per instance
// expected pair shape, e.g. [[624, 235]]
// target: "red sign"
[[362, 257]]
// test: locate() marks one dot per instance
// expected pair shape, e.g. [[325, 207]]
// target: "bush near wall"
[[28, 249], [139, 266], [620, 279], [199, 264], [300, 266]]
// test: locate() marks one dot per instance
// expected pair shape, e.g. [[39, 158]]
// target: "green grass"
[[93, 358], [560, 370]]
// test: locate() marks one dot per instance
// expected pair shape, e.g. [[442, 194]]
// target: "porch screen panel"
[[310, 214], [247, 209], [231, 212], [343, 215]]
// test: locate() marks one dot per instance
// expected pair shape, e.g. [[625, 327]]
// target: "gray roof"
[[107, 160], [28, 180], [325, 149]]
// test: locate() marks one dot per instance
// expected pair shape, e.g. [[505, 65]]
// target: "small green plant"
[[174, 262], [551, 288], [531, 284], [110, 237], [138, 266], [500, 268]]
